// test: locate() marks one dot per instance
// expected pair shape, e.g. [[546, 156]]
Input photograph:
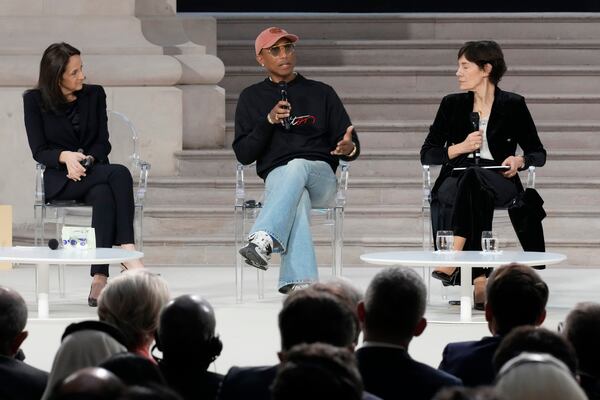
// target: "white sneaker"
[[258, 250], [292, 287]]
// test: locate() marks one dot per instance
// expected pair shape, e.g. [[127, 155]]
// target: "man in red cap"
[[296, 130]]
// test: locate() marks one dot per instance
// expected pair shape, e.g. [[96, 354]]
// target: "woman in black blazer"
[[66, 127], [464, 201]]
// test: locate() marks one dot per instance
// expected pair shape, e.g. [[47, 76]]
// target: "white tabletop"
[[461, 258], [37, 255]]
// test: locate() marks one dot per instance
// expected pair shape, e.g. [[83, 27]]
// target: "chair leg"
[[338, 241], [138, 223], [239, 216], [427, 242]]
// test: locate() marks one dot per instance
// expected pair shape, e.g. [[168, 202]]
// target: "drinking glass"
[[444, 240], [489, 242]]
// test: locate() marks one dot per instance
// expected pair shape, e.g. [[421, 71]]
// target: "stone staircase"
[[391, 72]]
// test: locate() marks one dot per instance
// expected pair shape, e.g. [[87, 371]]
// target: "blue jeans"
[[290, 192]]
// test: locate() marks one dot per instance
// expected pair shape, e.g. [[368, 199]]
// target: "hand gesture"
[[280, 111], [71, 159], [346, 145], [514, 162], [472, 142]]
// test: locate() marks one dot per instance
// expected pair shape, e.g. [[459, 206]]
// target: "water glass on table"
[[490, 242], [444, 241]]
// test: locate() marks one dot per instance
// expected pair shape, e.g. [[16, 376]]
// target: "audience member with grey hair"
[[317, 371], [132, 302], [516, 296], [392, 314], [84, 344], [17, 379], [533, 376], [582, 330]]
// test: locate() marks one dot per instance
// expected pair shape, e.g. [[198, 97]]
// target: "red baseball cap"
[[270, 36]]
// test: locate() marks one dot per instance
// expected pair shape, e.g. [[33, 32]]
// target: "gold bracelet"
[[269, 119], [353, 152]]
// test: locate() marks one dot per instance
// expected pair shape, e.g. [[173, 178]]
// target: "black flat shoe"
[[448, 280]]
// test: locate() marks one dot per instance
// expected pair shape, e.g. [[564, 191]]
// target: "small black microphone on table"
[[475, 122], [53, 244], [284, 97]]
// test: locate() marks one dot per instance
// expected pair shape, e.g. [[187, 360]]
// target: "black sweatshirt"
[[318, 122]]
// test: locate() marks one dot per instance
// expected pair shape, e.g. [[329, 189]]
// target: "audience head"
[[531, 376], [531, 339], [582, 330], [132, 302], [394, 306], [13, 318], [465, 393], [484, 52], [516, 295], [310, 316], [317, 371], [52, 69], [187, 331], [84, 344], [88, 384], [133, 369], [346, 293]]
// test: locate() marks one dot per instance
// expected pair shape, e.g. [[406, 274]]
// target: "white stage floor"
[[249, 330]]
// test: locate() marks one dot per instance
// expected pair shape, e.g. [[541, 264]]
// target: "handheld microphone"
[[53, 244], [475, 122], [283, 90]]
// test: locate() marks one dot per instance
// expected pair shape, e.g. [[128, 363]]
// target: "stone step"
[[423, 52], [186, 191], [356, 79], [569, 107], [365, 221], [414, 26], [563, 135], [383, 163]]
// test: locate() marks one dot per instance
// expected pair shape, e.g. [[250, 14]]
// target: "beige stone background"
[[158, 68]]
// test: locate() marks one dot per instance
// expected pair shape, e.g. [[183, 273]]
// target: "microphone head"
[[53, 244], [474, 117]]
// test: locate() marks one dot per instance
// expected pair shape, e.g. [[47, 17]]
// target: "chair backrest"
[[124, 140]]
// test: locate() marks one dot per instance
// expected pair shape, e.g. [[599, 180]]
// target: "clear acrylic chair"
[[426, 228], [125, 150], [247, 208]]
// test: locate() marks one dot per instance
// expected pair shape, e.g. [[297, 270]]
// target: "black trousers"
[[472, 196], [108, 188]]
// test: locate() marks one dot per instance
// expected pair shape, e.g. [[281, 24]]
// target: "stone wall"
[[157, 67]]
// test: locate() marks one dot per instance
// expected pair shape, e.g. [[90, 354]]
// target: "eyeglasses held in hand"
[[289, 48]]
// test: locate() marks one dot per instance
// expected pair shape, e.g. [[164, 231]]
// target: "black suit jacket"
[[51, 133], [391, 373], [244, 383], [19, 381], [471, 361], [191, 383], [510, 124]]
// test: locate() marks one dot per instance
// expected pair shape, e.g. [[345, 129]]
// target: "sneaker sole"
[[252, 259]]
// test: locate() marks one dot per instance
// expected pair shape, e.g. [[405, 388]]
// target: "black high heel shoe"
[[92, 302], [448, 280]]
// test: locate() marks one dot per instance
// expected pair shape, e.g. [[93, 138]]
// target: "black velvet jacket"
[[510, 124]]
